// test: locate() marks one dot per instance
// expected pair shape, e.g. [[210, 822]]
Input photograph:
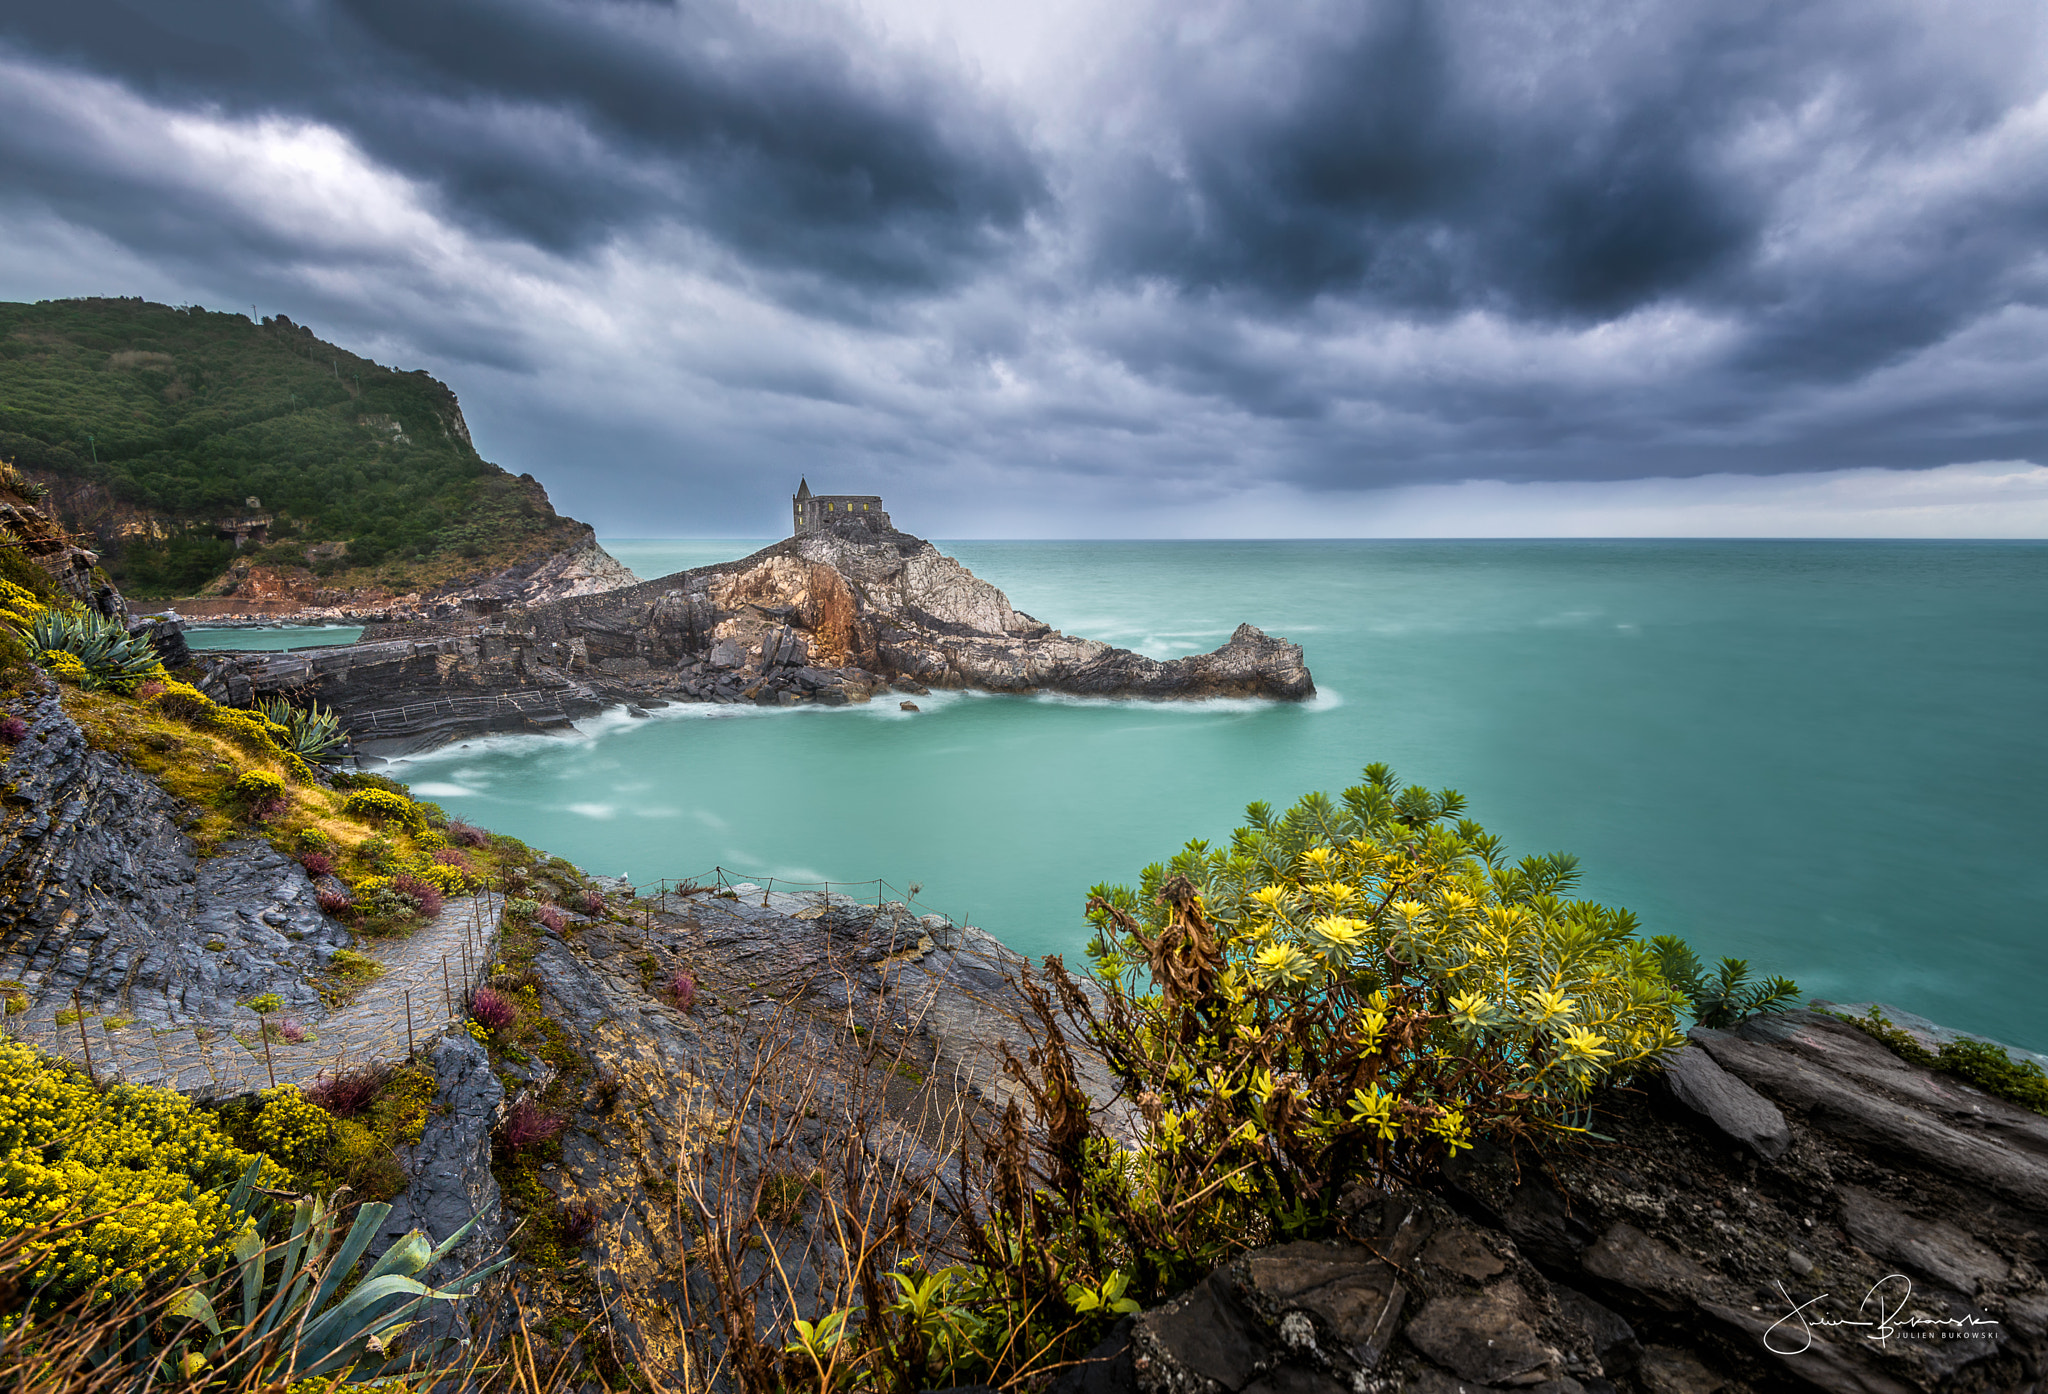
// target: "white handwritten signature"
[[1880, 1313]]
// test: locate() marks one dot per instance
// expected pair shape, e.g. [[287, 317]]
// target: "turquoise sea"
[[1825, 757], [273, 639]]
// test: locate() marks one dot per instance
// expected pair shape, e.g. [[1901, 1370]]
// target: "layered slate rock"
[[1725, 1101], [105, 902], [402, 695], [449, 1184], [1885, 1237], [825, 618], [1413, 1297]]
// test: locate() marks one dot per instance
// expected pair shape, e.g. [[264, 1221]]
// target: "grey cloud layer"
[[1328, 246], [555, 121]]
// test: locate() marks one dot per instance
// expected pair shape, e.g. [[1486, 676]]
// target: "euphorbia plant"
[[1357, 988]]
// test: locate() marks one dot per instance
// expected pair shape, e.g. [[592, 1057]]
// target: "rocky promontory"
[[826, 617]]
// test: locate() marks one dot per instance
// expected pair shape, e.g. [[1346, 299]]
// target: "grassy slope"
[[189, 412]]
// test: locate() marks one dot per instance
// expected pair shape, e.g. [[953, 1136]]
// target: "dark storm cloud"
[[1320, 246], [1391, 170], [1395, 157], [560, 122]]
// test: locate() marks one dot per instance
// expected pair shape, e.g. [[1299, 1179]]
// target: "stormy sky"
[[1192, 267]]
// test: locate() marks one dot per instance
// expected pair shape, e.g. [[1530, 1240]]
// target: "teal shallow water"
[[1823, 757], [273, 640]]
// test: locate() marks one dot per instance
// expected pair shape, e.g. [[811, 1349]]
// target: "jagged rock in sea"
[[829, 616], [580, 566]]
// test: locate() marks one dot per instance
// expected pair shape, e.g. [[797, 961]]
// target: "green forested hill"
[[153, 423]]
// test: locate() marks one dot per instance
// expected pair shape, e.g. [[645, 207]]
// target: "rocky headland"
[[829, 616]]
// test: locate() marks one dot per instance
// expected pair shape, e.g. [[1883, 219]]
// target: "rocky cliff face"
[[1723, 1232], [577, 566], [103, 896], [1791, 1207]]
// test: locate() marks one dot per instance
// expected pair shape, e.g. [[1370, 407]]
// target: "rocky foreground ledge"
[[824, 618]]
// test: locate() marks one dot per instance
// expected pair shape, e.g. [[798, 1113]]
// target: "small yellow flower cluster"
[[155, 1167], [291, 1126], [448, 879], [255, 786], [64, 667], [18, 606], [384, 807]]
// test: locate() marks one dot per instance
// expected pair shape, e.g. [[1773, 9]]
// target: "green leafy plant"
[[282, 1313], [1983, 1064], [1726, 996], [313, 729], [103, 653]]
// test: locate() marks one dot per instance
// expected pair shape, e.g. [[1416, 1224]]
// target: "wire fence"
[[423, 991], [500, 704], [672, 892]]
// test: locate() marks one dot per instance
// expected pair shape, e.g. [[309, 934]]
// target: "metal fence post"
[[78, 1013], [263, 1035]]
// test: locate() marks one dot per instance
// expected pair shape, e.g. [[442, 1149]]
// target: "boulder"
[[1735, 1109]]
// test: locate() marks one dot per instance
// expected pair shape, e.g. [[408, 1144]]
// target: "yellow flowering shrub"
[[19, 606], [290, 1126], [1356, 989], [383, 807], [449, 880], [64, 667], [147, 1156], [254, 786]]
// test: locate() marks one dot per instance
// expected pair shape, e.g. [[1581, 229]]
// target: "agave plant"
[[111, 656], [280, 1314], [314, 729]]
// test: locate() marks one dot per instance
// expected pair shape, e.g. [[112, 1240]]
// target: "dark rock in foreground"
[[1892, 1242]]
